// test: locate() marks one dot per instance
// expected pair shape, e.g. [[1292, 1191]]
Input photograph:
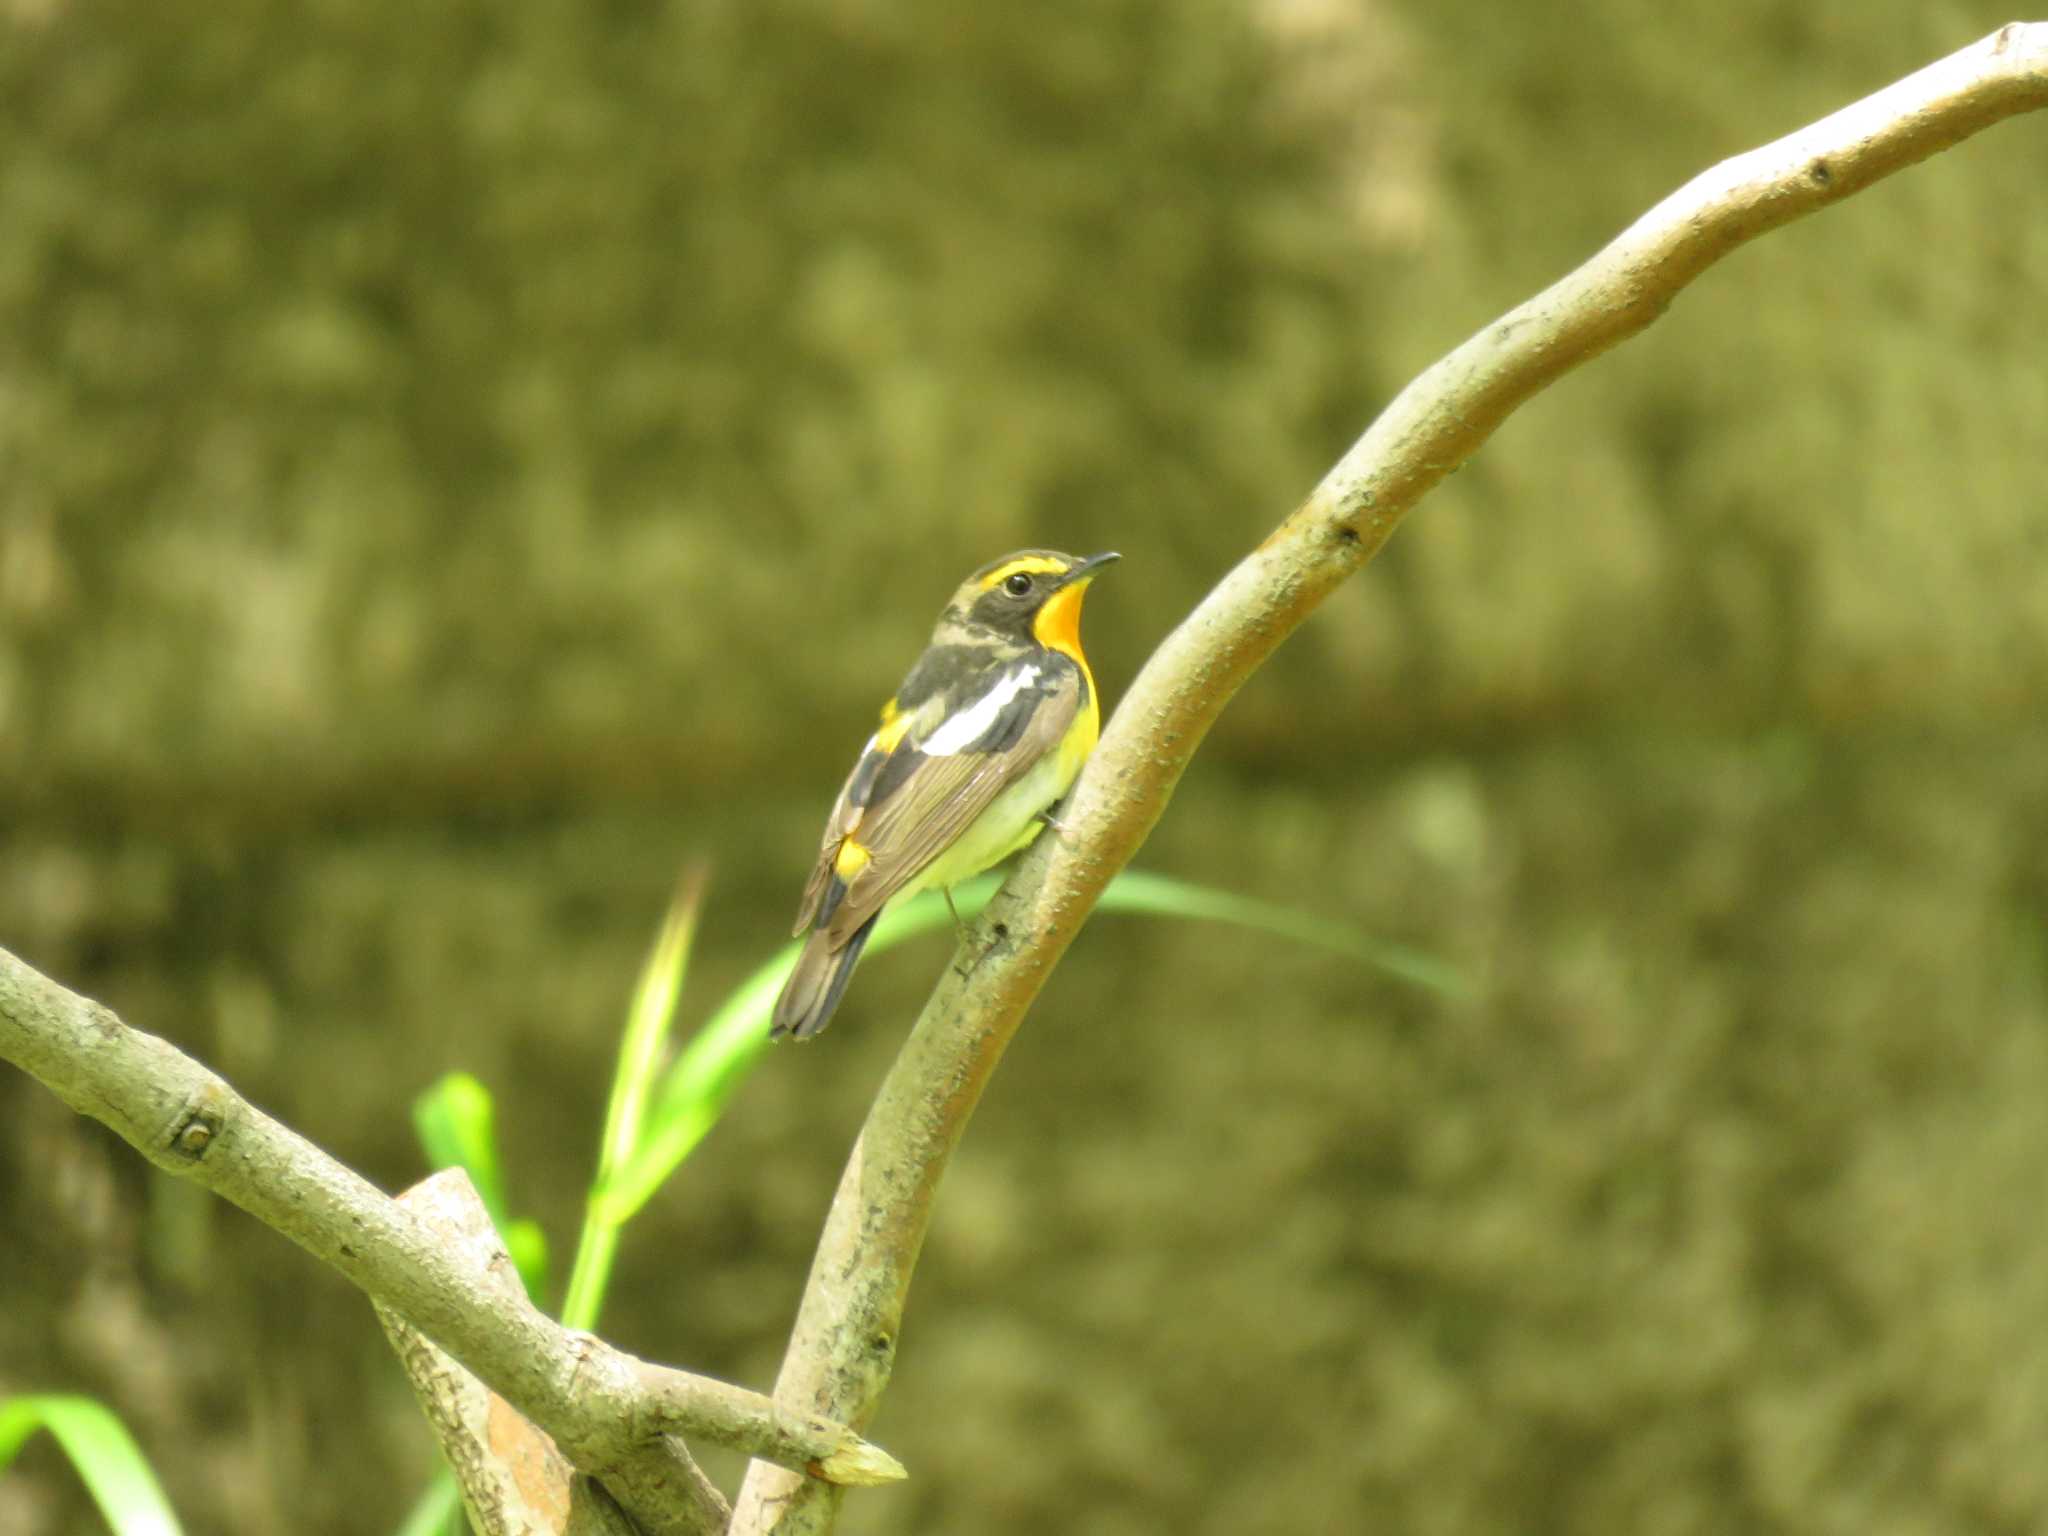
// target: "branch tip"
[[859, 1464]]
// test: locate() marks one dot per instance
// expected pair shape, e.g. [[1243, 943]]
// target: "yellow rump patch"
[[895, 726], [1030, 565], [851, 861]]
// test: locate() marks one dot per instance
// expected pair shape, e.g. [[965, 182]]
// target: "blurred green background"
[[457, 462]]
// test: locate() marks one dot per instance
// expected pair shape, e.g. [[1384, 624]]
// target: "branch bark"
[[514, 1480], [843, 1345], [610, 1413]]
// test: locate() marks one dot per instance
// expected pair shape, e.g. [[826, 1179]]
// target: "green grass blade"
[[695, 1090], [647, 1023], [436, 1512], [640, 1050], [456, 1120], [104, 1454], [527, 1245], [1137, 891]]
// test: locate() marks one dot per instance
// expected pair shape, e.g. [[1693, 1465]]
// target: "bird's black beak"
[[1084, 570]]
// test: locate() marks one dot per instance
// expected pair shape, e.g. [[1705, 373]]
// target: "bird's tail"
[[813, 988]]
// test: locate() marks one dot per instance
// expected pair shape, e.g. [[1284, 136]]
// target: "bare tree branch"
[[510, 1474], [608, 1411], [513, 1478], [843, 1345]]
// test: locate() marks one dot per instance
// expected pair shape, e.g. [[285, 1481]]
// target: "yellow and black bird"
[[986, 733]]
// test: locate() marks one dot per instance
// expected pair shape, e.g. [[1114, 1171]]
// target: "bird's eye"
[[1017, 585]]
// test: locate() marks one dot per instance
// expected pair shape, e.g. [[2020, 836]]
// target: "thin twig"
[[842, 1348], [608, 1411]]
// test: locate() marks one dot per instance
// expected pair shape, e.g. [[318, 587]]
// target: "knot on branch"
[[199, 1121]]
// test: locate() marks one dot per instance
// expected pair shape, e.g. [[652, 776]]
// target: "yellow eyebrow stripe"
[[1031, 565]]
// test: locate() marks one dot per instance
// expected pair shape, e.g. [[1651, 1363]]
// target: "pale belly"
[[1010, 822]]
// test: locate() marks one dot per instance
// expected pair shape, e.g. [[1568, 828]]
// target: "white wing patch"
[[971, 724]]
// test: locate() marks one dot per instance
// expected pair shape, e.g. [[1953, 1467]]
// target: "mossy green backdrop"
[[458, 462]]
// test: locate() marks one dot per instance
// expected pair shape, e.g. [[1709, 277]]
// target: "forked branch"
[[610, 1413]]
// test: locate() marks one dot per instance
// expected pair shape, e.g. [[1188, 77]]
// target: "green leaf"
[[456, 1120], [695, 1089], [641, 1047], [527, 1243], [1137, 891], [436, 1511], [105, 1455]]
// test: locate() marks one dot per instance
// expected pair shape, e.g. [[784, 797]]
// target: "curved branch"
[[840, 1353], [608, 1411]]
